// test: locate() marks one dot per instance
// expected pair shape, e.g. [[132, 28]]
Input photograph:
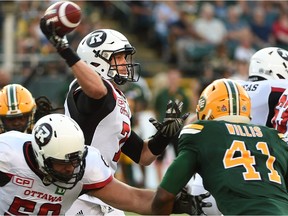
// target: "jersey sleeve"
[[179, 172], [185, 164], [97, 172], [88, 105], [133, 147]]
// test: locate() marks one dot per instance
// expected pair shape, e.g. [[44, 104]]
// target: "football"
[[65, 15]]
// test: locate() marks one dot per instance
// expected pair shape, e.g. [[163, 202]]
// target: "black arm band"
[[133, 147], [70, 56], [158, 143]]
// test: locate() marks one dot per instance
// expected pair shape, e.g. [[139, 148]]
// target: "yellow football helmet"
[[17, 109], [224, 99]]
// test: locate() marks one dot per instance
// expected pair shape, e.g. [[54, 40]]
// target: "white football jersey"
[[21, 188], [109, 129], [264, 96]]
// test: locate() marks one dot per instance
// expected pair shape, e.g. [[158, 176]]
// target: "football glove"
[[48, 29], [189, 204], [173, 120]]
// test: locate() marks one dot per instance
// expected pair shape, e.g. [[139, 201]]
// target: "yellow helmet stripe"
[[12, 98], [233, 95]]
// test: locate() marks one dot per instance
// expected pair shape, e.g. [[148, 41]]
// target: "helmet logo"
[[96, 38], [43, 134], [223, 108], [244, 109], [202, 103], [283, 53]]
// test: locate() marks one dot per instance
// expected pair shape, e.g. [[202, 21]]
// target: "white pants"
[[83, 207]]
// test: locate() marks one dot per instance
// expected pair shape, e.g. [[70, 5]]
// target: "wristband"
[[70, 56], [158, 143]]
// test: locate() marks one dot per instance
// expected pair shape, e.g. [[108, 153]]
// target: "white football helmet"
[[98, 48], [269, 63], [58, 138]]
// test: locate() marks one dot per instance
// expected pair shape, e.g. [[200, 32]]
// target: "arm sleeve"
[[179, 172], [4, 179], [88, 105], [133, 147]]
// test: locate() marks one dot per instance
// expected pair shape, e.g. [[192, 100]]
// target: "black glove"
[[168, 129], [189, 204], [173, 120], [60, 43], [48, 29]]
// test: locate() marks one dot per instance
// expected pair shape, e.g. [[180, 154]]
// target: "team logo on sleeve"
[[43, 134]]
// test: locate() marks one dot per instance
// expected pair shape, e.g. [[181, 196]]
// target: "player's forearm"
[[89, 80], [147, 157], [142, 201], [124, 197]]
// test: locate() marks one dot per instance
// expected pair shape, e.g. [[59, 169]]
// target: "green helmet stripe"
[[12, 98], [233, 95]]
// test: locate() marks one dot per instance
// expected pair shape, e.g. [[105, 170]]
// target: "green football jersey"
[[244, 166]]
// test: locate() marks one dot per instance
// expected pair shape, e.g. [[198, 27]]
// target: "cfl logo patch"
[[43, 134], [23, 182]]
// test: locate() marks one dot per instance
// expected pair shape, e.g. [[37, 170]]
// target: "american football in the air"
[[66, 16]]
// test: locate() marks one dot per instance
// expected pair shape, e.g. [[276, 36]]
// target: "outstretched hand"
[[173, 121], [189, 204], [48, 29]]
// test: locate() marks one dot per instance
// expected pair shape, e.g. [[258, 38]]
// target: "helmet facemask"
[[26, 127], [132, 69], [66, 181]]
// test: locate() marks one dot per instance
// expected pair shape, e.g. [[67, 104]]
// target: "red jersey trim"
[[97, 185], [113, 89], [277, 89]]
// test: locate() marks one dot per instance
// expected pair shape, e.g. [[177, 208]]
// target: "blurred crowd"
[[183, 33], [217, 32]]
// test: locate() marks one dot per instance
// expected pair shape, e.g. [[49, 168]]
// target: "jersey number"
[[248, 161], [125, 131], [29, 206]]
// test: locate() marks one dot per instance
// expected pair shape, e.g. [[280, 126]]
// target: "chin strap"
[[119, 80]]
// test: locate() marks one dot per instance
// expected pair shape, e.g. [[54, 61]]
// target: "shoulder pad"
[[192, 129]]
